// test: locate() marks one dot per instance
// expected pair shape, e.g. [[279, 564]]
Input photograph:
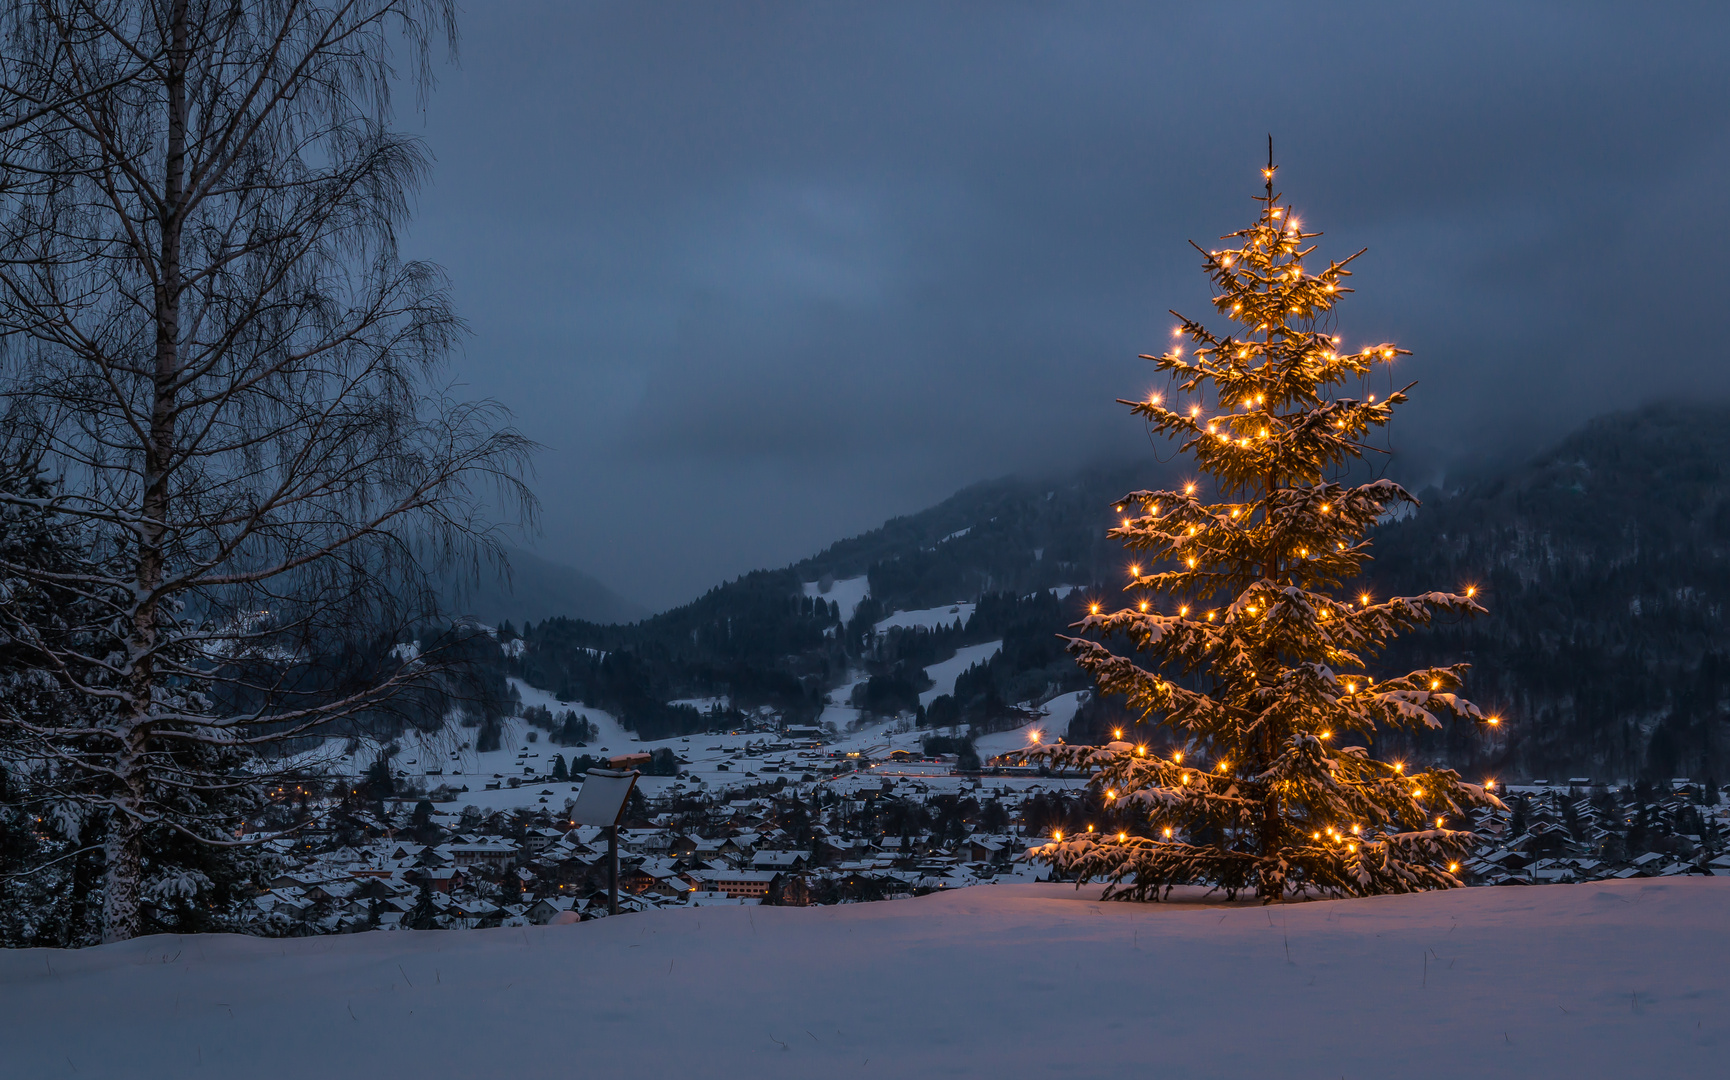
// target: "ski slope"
[[1610, 979]]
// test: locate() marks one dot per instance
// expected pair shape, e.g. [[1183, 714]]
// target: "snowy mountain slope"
[[536, 588], [847, 595], [1626, 979], [1054, 725], [927, 618], [943, 674]]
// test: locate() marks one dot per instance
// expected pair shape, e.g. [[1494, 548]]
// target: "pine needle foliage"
[[1252, 648]]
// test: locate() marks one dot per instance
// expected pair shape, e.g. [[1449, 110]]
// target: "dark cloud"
[[761, 275]]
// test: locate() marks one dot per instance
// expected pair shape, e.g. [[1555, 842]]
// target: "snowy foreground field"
[[1624, 979]]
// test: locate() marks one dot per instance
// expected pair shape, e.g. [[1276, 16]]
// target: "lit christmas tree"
[[1256, 663]]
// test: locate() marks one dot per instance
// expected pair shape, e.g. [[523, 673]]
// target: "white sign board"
[[602, 797]]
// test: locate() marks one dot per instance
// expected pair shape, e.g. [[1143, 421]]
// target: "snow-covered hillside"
[[943, 674], [847, 595], [927, 618], [1623, 979]]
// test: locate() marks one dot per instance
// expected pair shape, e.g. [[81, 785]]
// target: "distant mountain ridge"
[[1604, 561], [538, 588]]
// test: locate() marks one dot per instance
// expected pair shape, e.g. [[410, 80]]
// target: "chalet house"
[[783, 861], [748, 884], [486, 853], [443, 879], [545, 910]]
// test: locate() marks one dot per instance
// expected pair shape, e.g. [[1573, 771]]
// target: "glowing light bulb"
[[1141, 750], [1122, 836], [1327, 735], [1168, 832], [1351, 688], [1471, 591], [1189, 489], [1093, 609], [1435, 683], [1057, 834], [1489, 785], [1399, 766], [1034, 736], [1144, 605], [1184, 610], [1356, 829], [1453, 867], [1494, 720], [1364, 598], [1117, 733], [1438, 823], [1221, 766], [1090, 828], [1135, 571]]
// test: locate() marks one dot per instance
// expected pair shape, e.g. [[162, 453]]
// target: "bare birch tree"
[[211, 339]]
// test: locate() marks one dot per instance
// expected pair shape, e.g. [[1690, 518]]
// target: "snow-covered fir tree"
[[57, 635], [1258, 656]]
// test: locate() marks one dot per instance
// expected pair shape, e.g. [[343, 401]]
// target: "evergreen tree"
[[55, 808], [424, 914], [560, 771], [1259, 664]]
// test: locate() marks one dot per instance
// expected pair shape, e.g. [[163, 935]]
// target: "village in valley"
[[796, 815]]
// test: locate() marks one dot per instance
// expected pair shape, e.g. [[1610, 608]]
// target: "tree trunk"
[[121, 874], [124, 867]]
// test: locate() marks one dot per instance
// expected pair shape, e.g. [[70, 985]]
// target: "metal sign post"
[[601, 801]]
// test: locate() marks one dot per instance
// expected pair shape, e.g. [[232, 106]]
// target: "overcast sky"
[[760, 276]]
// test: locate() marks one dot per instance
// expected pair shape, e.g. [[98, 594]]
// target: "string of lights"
[[1255, 653]]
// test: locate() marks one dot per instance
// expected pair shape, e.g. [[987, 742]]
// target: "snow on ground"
[[841, 714], [846, 594], [943, 675], [612, 733], [713, 762], [928, 618], [1054, 725], [1608, 979]]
